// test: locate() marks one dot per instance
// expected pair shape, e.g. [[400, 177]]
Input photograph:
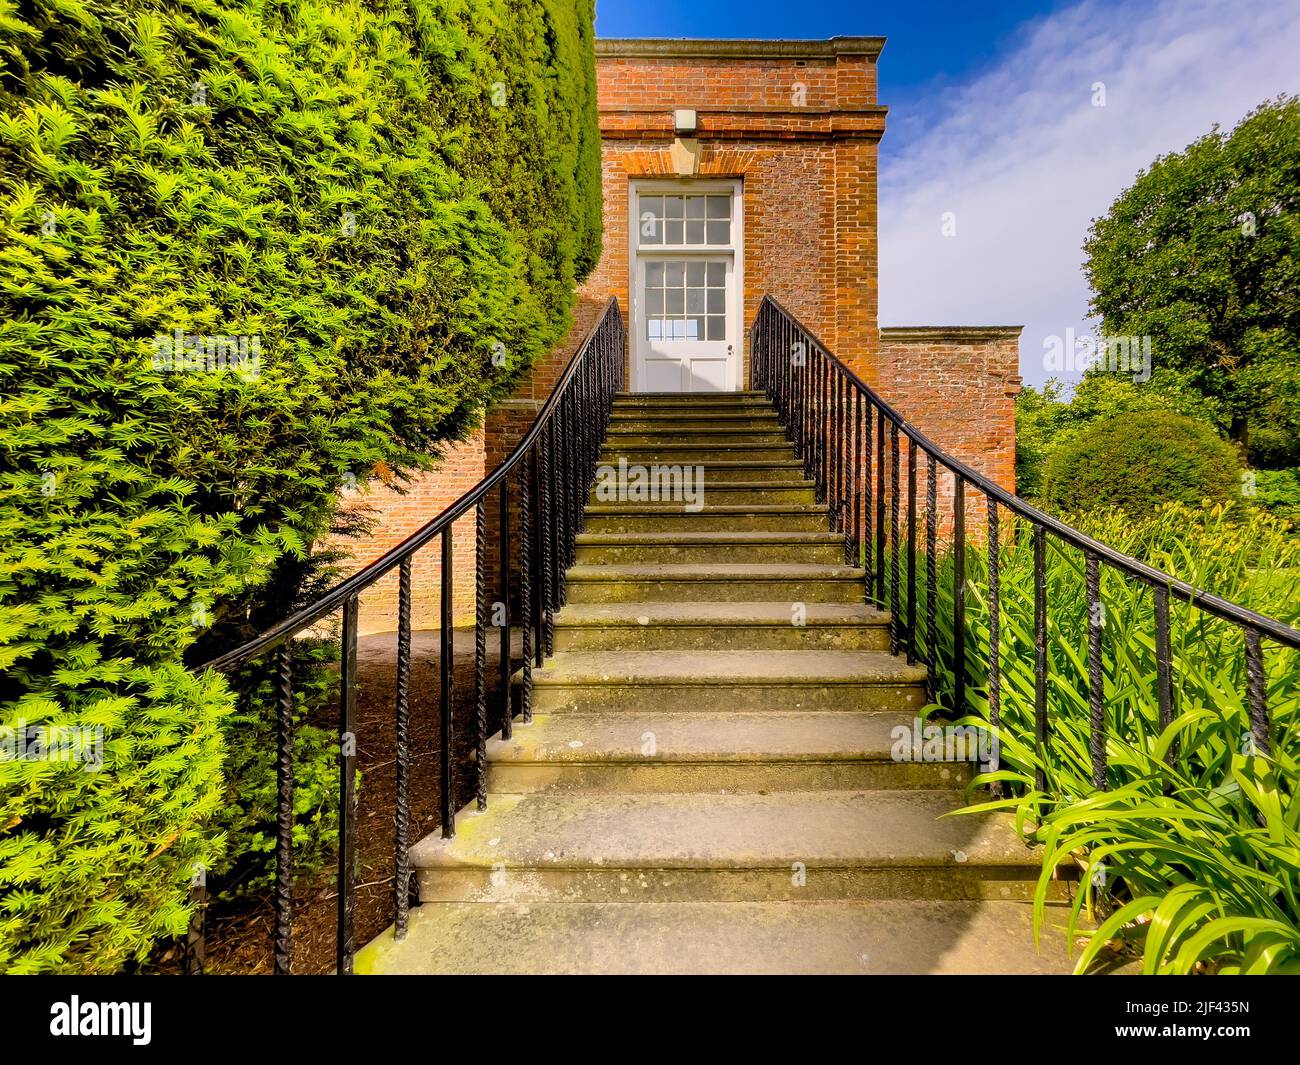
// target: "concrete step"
[[723, 517], [825, 548], [715, 752], [554, 846], [713, 681], [706, 490], [739, 582], [880, 938], [721, 626]]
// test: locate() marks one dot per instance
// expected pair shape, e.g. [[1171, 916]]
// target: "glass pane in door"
[[686, 300]]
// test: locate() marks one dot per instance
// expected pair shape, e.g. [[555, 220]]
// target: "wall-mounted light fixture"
[[684, 121]]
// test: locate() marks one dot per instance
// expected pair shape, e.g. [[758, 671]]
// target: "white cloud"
[[1024, 160]]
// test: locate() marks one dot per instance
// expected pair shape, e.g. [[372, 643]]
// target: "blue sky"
[[995, 121]]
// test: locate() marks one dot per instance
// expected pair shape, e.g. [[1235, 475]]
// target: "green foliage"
[[1046, 420], [1278, 492], [1135, 462], [388, 205], [1202, 254], [1198, 831]]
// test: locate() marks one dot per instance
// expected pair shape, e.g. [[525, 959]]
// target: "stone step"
[[878, 938], [690, 400], [595, 548], [705, 490], [723, 626], [785, 468], [724, 517], [665, 453], [716, 752], [705, 436], [732, 582], [690, 421], [712, 415], [713, 681], [555, 846]]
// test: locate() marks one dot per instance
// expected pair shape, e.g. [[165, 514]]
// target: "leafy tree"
[[1202, 254]]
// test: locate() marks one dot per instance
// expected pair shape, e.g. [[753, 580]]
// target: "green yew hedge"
[[361, 221]]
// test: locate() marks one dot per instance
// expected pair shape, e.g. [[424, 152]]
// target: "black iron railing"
[[851, 441], [552, 470]]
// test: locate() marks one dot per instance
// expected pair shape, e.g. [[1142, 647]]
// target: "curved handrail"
[[1207, 601], [373, 571]]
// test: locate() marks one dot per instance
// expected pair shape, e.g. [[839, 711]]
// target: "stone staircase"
[[708, 783]]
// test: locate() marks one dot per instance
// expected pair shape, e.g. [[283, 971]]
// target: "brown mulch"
[[239, 933]]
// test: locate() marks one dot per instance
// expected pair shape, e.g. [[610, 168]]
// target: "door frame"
[[736, 297]]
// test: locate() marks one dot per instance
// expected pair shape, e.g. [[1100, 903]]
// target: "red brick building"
[[733, 169]]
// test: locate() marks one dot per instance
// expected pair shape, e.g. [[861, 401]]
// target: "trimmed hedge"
[[1136, 462], [247, 251]]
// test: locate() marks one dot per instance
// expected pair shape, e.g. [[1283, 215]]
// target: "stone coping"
[[695, 48], [964, 333]]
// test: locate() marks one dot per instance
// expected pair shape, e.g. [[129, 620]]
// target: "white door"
[[686, 287]]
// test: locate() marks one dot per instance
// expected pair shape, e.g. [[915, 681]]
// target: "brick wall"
[[397, 515], [958, 385]]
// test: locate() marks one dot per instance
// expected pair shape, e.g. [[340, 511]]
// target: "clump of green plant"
[[1194, 848], [247, 252], [1136, 462]]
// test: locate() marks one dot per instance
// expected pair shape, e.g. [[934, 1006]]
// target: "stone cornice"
[[966, 334], [693, 48]]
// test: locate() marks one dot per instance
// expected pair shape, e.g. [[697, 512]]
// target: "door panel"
[[685, 322]]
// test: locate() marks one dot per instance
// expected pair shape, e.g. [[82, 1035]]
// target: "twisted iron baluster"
[[1096, 691], [853, 547], [869, 531], [345, 942], [1257, 694], [446, 689], [959, 593], [995, 629], [284, 739], [1040, 656], [931, 574], [402, 813], [525, 592], [894, 590], [548, 530], [880, 509], [911, 551], [1164, 664], [480, 656]]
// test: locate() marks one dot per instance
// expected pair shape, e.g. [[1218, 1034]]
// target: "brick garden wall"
[[395, 516], [958, 386]]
